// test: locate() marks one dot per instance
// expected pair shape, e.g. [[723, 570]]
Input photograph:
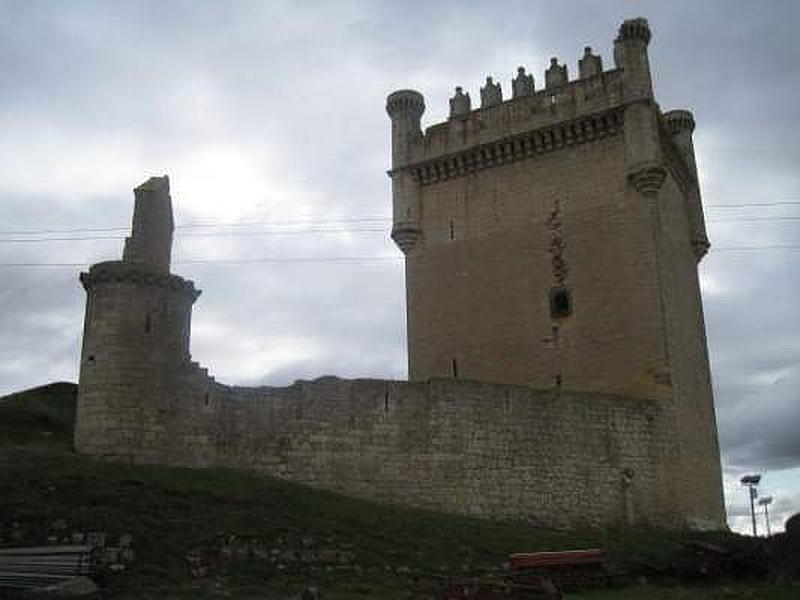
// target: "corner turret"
[[630, 54], [405, 108], [681, 127], [645, 167], [680, 124]]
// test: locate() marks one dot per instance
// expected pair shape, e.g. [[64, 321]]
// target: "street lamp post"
[[765, 502], [751, 481]]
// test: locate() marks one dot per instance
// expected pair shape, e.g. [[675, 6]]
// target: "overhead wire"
[[364, 219], [323, 226], [311, 230]]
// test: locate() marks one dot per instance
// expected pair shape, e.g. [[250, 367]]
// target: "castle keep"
[[557, 356]]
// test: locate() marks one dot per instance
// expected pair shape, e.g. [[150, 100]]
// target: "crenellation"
[[591, 65], [522, 84], [491, 94], [521, 115], [555, 75], [460, 104]]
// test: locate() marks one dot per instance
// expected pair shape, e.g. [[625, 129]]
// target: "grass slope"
[[239, 522], [43, 415]]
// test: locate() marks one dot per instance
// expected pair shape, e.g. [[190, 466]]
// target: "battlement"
[[553, 118], [561, 101], [572, 101]]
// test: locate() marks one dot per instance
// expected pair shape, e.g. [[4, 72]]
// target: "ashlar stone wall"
[[499, 451]]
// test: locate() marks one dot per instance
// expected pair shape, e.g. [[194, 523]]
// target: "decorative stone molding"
[[700, 248], [648, 180], [406, 237], [529, 144], [137, 274]]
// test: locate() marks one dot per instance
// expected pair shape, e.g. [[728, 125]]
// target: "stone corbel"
[[700, 248], [648, 179], [406, 236]]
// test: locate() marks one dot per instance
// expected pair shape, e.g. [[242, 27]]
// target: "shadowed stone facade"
[[557, 355]]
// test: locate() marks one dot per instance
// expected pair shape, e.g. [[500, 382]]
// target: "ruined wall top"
[[150, 242]]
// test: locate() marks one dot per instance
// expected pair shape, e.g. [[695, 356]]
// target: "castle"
[[558, 369]]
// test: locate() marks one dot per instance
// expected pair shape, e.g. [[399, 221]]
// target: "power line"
[[316, 221], [233, 261], [321, 230], [340, 259], [295, 222], [746, 248], [263, 232], [747, 219], [781, 203]]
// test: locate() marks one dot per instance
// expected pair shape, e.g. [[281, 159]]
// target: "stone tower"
[[552, 240], [136, 332]]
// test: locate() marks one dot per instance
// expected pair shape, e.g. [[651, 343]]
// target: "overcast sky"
[[272, 114]]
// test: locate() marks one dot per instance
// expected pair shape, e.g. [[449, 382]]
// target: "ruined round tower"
[[136, 334]]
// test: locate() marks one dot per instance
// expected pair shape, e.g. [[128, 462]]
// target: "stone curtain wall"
[[481, 449]]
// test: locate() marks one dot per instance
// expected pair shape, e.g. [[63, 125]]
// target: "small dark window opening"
[[455, 369], [560, 303], [206, 399], [148, 323], [386, 401], [452, 231], [90, 358]]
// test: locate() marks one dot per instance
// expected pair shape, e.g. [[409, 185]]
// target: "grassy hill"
[[40, 416], [206, 533]]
